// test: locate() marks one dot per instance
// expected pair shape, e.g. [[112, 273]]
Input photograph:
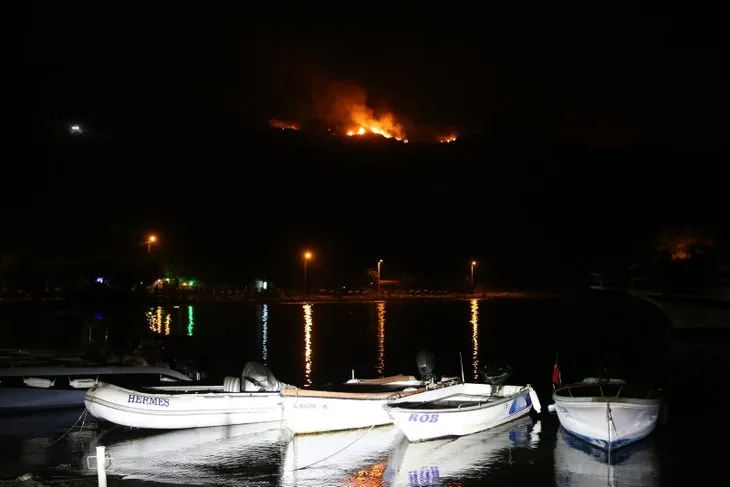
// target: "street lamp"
[[379, 263], [150, 240], [307, 257], [473, 265]]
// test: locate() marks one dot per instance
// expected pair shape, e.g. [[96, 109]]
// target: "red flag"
[[557, 378]]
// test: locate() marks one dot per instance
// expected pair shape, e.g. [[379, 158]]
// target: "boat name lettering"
[[424, 418], [306, 406], [152, 401], [424, 476]]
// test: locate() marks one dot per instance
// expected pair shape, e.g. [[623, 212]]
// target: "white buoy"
[[101, 465]]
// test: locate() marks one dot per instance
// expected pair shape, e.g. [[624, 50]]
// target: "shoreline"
[[312, 298]]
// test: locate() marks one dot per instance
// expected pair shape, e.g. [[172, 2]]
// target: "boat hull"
[[307, 411], [589, 421], [423, 424], [181, 410]]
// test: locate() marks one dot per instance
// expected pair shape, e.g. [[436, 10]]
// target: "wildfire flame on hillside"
[[345, 106], [448, 139], [280, 124]]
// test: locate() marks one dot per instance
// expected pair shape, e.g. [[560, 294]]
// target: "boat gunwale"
[[172, 412], [478, 406], [558, 396], [191, 391], [355, 396]]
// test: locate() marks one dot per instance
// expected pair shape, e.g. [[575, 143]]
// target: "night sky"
[[581, 132]]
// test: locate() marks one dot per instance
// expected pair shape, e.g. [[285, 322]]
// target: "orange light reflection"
[[381, 339], [475, 336], [308, 322]]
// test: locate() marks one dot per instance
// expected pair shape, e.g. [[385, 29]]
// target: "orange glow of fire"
[[377, 127], [280, 124], [448, 139]]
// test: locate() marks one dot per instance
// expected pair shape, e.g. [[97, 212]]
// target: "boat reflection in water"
[[354, 457], [203, 456], [433, 462], [579, 464]]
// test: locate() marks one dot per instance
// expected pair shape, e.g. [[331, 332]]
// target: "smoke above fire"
[[345, 107]]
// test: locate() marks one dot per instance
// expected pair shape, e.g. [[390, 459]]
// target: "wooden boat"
[[607, 413], [460, 409], [316, 411]]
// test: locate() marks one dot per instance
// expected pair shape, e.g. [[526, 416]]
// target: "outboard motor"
[[496, 375], [257, 377], [425, 361]]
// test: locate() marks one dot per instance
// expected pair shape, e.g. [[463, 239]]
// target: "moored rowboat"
[[460, 409], [607, 413], [313, 411]]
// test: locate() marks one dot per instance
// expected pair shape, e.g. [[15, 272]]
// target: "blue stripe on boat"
[[603, 444]]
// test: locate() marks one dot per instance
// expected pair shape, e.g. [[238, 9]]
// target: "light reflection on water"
[[191, 320], [263, 322], [475, 336], [380, 368], [307, 344], [160, 320]]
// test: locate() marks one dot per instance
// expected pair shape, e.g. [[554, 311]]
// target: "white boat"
[[28, 388], [224, 455], [578, 463], [354, 457], [254, 398], [459, 410], [607, 413], [436, 462], [316, 411]]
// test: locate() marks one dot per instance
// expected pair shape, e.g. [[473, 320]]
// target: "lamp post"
[[150, 240], [307, 258], [473, 265]]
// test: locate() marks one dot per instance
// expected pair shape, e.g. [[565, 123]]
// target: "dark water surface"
[[320, 343]]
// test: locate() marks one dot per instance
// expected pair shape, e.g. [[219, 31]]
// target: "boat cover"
[[257, 377]]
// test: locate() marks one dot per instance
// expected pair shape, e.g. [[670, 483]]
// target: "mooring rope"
[[338, 451], [82, 416]]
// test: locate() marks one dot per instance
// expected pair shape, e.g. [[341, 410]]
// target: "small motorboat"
[[317, 411], [607, 413], [460, 409], [321, 411], [255, 397]]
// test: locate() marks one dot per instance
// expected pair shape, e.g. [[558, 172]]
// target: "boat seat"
[[348, 395], [231, 384], [387, 380]]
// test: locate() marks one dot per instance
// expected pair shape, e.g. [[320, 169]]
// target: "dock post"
[[101, 465]]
